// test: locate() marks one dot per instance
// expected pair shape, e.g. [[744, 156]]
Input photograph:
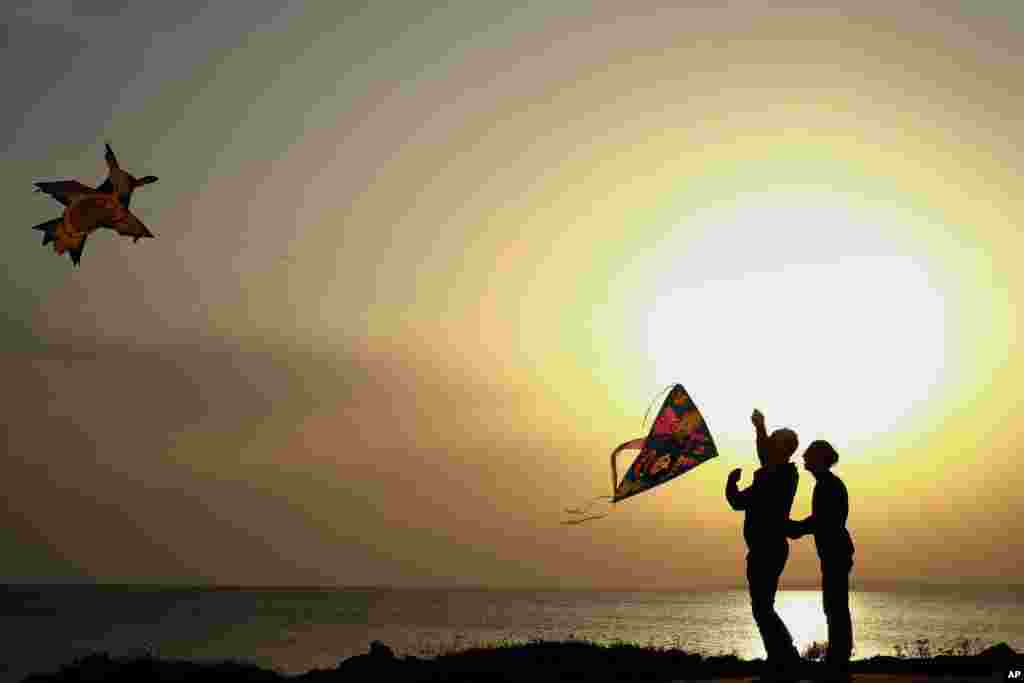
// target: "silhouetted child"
[[767, 503], [829, 509]]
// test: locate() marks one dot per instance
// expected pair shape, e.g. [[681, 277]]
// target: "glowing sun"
[[816, 314]]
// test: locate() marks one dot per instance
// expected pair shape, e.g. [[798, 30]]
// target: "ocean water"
[[295, 630]]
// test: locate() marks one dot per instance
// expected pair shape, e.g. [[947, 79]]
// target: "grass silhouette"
[[536, 661]]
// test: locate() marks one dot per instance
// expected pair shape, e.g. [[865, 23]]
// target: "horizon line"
[[865, 585]]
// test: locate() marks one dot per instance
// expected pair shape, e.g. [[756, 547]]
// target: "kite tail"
[[578, 515], [661, 393]]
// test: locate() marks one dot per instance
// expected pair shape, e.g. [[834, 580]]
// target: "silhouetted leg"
[[763, 571], [835, 588]]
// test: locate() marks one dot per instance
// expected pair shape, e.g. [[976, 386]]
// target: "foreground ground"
[[541, 661]]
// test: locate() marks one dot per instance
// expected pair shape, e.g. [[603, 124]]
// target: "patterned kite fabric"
[[679, 441]]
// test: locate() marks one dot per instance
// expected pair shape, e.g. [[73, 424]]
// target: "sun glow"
[[820, 318]]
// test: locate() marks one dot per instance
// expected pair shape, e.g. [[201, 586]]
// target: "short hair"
[[831, 457], [785, 441]]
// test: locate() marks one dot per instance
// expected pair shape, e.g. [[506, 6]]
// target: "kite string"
[[583, 510], [651, 404], [583, 513]]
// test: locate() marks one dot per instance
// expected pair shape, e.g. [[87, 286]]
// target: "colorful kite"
[[679, 440], [87, 209]]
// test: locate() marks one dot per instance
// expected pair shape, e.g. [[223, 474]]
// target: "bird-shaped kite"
[[87, 209]]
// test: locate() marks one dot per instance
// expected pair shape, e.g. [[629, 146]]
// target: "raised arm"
[[762, 436], [738, 500]]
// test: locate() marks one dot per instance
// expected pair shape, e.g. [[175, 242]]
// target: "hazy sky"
[[417, 270]]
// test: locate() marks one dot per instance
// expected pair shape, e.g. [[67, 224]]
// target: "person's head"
[[783, 445], [820, 456]]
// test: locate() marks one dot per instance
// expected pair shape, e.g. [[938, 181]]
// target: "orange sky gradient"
[[418, 270]]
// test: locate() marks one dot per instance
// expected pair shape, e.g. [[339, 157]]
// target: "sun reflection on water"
[[804, 616]]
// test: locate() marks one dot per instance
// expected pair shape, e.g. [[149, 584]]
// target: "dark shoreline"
[[533, 662]]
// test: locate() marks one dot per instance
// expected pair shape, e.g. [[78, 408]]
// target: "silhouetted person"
[[767, 503], [829, 509]]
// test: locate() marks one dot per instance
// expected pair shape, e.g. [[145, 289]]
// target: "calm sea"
[[293, 631]]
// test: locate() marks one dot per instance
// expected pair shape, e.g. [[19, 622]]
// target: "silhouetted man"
[[829, 509], [767, 503]]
